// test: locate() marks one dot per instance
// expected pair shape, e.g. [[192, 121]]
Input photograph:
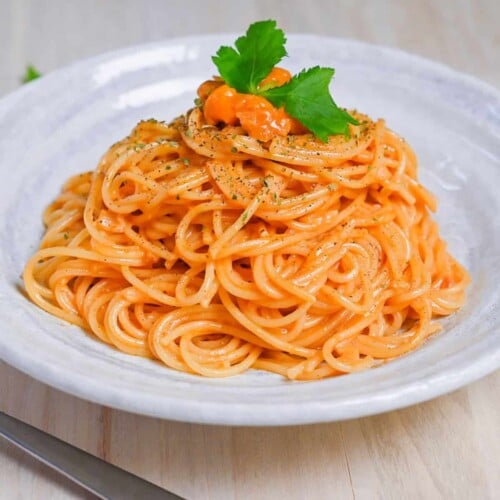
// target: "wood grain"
[[445, 448]]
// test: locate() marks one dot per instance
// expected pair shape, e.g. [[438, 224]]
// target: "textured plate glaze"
[[61, 124]]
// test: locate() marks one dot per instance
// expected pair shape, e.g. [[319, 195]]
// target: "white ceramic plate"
[[61, 125]]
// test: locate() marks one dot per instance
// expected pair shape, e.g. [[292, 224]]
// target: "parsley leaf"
[[257, 53], [306, 97], [31, 74]]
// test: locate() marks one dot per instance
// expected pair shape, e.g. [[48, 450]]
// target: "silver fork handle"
[[95, 475]]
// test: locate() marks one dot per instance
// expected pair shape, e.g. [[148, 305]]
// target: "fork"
[[95, 475]]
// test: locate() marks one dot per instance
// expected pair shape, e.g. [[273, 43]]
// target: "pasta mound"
[[213, 252]]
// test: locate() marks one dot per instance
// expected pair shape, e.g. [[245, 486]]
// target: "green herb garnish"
[[257, 53], [31, 74], [306, 97]]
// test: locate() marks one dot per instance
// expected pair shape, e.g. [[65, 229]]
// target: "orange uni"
[[256, 115], [220, 106], [277, 78], [260, 119]]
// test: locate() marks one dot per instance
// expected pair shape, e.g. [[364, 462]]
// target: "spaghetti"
[[214, 252]]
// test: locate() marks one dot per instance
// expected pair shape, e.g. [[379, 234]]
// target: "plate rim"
[[464, 76]]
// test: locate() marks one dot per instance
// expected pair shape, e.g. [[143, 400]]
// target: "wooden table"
[[446, 448]]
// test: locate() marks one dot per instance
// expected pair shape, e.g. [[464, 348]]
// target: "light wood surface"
[[447, 448]]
